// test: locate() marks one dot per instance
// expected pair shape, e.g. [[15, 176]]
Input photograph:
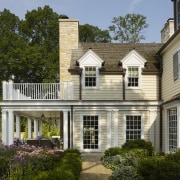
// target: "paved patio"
[[92, 168]]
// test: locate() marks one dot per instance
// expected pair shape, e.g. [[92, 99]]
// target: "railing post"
[[65, 90], [10, 90], [71, 85], [4, 90]]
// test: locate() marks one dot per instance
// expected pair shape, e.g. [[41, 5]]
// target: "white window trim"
[[99, 133], [124, 125], [139, 76], [83, 78], [167, 126]]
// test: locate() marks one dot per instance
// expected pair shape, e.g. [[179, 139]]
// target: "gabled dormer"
[[90, 63], [133, 62]]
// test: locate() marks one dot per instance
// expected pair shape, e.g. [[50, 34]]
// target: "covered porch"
[[37, 102], [11, 124]]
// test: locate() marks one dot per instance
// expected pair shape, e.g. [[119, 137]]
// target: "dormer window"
[[90, 76], [90, 62], [133, 63], [133, 76]]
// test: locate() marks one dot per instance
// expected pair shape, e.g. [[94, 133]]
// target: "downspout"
[[71, 126], [124, 92], [80, 85], [160, 99]]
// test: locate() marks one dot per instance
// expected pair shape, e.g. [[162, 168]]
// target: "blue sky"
[[101, 12]]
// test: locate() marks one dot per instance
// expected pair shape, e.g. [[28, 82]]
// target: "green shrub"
[[61, 173], [139, 144], [72, 161], [157, 168], [112, 162], [71, 150], [125, 173], [113, 151]]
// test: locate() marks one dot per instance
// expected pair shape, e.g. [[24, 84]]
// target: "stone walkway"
[[92, 168]]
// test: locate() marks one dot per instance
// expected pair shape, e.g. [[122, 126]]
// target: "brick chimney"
[[68, 40]]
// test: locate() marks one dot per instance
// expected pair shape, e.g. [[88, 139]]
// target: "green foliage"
[[61, 173], [128, 29], [139, 144], [71, 150], [73, 162], [113, 151], [159, 168], [89, 33], [125, 173]]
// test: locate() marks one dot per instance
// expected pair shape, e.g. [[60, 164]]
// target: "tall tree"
[[40, 29], [89, 33], [10, 43], [128, 29]]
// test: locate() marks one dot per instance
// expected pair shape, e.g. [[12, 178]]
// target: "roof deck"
[[37, 91]]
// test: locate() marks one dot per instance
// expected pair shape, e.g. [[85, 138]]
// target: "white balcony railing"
[[37, 91]]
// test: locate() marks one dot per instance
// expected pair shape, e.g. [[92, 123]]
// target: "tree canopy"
[[128, 29], [29, 48], [89, 33]]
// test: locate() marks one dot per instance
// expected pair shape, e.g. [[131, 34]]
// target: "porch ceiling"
[[37, 114]]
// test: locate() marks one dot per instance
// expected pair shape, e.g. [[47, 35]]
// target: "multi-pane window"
[[178, 13], [172, 122], [90, 132], [90, 76], [176, 65], [133, 76], [133, 127]]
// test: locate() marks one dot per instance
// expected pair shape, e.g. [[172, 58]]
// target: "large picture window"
[[90, 77], [133, 127], [90, 132], [172, 122], [133, 76]]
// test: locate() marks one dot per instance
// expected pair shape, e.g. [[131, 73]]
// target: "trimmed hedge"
[[156, 168], [69, 169], [139, 144]]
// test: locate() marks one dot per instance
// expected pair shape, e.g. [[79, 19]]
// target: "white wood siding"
[[121, 126], [110, 88], [169, 86], [75, 80], [148, 91]]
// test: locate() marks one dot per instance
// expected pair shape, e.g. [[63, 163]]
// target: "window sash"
[[90, 132], [133, 76], [133, 127], [90, 76], [172, 124]]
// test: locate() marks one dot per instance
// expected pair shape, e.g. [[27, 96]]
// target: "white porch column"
[[4, 127], [152, 120], [40, 127], [11, 127], [35, 128], [18, 130], [157, 138], [29, 128], [115, 128], [65, 129], [109, 116]]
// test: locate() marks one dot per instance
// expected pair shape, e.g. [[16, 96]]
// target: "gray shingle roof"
[[113, 53]]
